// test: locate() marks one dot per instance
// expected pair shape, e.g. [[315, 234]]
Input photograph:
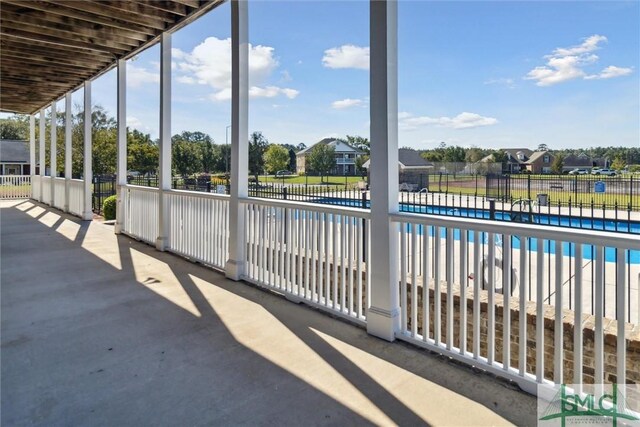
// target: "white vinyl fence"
[[141, 212], [15, 186]]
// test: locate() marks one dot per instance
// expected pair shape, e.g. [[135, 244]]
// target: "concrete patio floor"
[[99, 329]]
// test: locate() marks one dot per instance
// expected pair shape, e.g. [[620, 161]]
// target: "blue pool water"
[[568, 249]]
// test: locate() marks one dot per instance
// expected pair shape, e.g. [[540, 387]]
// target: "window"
[[546, 158]]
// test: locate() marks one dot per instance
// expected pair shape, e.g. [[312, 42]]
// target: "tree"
[[360, 161], [474, 154], [292, 160], [143, 154], [301, 146], [359, 142], [322, 159], [432, 156], [15, 127], [454, 154], [257, 146], [276, 158], [542, 147], [186, 158], [558, 164], [618, 163]]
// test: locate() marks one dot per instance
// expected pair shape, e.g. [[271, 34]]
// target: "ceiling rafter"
[[50, 47]]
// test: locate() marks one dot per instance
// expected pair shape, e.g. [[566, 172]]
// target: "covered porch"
[[105, 330]]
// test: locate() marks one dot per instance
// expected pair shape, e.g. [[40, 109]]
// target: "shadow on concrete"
[[85, 342]]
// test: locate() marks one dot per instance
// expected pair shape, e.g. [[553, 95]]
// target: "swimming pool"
[[549, 247]]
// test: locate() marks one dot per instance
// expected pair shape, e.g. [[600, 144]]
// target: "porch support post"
[[43, 166], [164, 181], [239, 135], [87, 213], [32, 151], [122, 143], [53, 150], [68, 149], [383, 318]]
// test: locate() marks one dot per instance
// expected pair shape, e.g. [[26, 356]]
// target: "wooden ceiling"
[[49, 47]]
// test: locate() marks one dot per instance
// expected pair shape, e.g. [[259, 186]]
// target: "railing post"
[[87, 214], [383, 317], [121, 165], [164, 183], [32, 151], [53, 151], [41, 155], [68, 149], [234, 267]]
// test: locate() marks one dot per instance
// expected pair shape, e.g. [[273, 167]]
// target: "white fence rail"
[[199, 226], [59, 193], [45, 182], [35, 187], [141, 212], [315, 253], [467, 289], [15, 186], [76, 196]]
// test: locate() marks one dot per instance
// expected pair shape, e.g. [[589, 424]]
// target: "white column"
[[122, 143], [164, 181], [53, 150], [41, 155], [87, 213], [383, 316], [68, 149], [239, 135], [32, 151]]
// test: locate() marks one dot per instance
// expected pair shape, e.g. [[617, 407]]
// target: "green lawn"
[[311, 180]]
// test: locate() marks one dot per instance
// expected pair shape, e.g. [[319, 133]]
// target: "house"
[[516, 159], [413, 168], [540, 162], [14, 157], [579, 161], [345, 156]]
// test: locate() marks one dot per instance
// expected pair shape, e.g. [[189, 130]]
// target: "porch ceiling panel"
[[49, 47]]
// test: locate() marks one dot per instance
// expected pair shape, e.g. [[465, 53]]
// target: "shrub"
[[109, 207]]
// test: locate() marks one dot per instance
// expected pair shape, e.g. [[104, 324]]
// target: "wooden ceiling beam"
[[143, 10], [41, 18], [102, 9], [76, 43], [53, 8], [167, 6], [105, 33], [9, 54], [191, 3], [33, 48], [66, 35]]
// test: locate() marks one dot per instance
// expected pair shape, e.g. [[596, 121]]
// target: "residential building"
[[345, 155], [539, 162], [14, 157], [413, 169]]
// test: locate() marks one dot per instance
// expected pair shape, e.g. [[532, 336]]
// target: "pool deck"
[[102, 330]]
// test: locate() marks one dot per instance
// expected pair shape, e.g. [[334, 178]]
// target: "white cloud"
[[346, 56], [566, 64], [510, 83], [346, 103], [137, 76], [134, 122], [610, 72], [210, 64], [463, 120]]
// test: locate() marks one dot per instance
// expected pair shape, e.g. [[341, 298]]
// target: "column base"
[[87, 216], [234, 269], [162, 243], [117, 228], [383, 323]]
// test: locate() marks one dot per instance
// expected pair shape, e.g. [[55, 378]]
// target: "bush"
[[109, 207]]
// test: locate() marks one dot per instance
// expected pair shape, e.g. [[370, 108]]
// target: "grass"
[[311, 180]]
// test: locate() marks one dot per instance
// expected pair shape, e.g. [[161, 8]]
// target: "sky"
[[491, 74]]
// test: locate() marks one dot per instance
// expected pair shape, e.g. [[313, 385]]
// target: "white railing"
[[15, 186], [315, 253], [59, 193], [76, 196], [199, 226], [141, 212], [468, 287], [45, 181]]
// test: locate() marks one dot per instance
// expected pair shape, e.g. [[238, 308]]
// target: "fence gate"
[[103, 187], [499, 187]]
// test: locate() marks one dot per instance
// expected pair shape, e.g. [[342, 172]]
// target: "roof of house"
[[535, 156], [411, 158], [13, 151], [340, 146], [580, 160], [513, 154]]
